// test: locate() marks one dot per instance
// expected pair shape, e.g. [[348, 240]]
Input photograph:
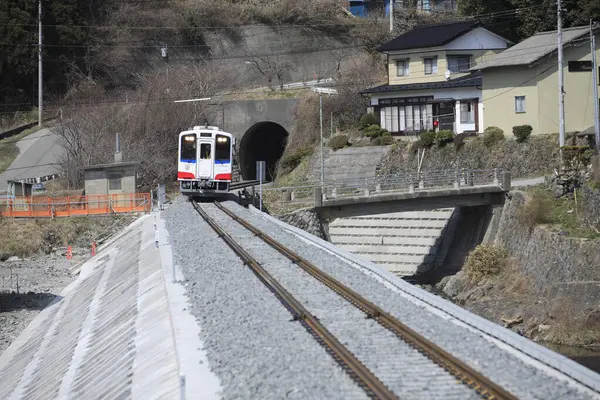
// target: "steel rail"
[[464, 373], [354, 367]]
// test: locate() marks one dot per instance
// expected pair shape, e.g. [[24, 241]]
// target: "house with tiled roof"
[[430, 82], [520, 85]]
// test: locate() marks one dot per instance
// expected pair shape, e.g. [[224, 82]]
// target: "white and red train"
[[205, 161]]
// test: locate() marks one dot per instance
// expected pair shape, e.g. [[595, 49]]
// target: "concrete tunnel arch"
[[264, 141]]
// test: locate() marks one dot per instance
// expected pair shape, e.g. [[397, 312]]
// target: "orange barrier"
[[72, 206]]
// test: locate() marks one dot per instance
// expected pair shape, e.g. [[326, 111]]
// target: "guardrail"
[[50, 207], [403, 182], [18, 129]]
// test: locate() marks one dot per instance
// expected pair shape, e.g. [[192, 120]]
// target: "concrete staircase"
[[348, 163], [405, 243]]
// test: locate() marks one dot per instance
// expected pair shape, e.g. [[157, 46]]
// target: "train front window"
[[205, 151], [222, 148], [188, 148]]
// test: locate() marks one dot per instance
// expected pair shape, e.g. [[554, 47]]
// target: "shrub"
[[386, 140], [537, 210], [485, 261], [492, 135], [375, 131], [427, 138], [443, 137], [338, 142], [292, 160], [367, 120], [417, 145], [577, 156], [459, 141], [386, 133], [522, 132]]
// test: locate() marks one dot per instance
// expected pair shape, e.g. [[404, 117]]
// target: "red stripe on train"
[[185, 175], [223, 177]]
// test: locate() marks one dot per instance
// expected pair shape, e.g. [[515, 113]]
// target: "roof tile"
[[429, 36], [473, 79], [531, 49]]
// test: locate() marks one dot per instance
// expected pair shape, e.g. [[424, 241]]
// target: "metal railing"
[[400, 182]]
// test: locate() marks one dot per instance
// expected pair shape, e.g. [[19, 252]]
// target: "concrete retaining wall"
[[557, 264]]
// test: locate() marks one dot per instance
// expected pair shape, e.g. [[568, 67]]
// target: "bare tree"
[[149, 125]]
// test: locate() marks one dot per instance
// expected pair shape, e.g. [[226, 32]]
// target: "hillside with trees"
[[533, 15]]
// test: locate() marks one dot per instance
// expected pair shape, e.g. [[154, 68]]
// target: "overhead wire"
[[496, 57]]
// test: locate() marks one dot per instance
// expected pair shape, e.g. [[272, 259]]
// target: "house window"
[[430, 64], [467, 112], [458, 64], [402, 67], [519, 104], [417, 117], [114, 181]]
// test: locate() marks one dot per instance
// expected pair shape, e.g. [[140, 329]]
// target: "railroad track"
[[364, 377]]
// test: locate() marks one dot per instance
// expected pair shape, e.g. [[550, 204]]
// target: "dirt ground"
[[506, 299], [29, 284]]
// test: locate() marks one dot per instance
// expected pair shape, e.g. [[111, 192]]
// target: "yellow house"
[[430, 83], [520, 85]]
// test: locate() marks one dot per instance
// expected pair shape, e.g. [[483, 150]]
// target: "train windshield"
[[222, 148], [205, 151], [188, 148]]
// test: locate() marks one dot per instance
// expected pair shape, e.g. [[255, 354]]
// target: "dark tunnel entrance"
[[264, 141]]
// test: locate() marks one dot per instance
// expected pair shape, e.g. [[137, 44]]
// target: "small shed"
[[115, 178], [19, 189]]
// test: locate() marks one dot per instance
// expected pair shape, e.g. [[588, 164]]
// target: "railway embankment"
[[540, 275]]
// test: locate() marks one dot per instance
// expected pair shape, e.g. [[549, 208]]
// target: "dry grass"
[[537, 209], [25, 237], [543, 208], [570, 324], [485, 261]]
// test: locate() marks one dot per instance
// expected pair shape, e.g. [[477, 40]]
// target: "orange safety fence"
[[75, 205]]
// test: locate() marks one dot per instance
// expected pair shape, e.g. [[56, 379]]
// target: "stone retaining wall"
[[305, 219], [591, 206], [558, 264]]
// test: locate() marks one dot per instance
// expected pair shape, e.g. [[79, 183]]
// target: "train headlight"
[[221, 139], [189, 138]]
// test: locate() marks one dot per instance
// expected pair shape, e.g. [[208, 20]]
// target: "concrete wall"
[[239, 116], [96, 181], [579, 102], [501, 85], [558, 265], [313, 52], [499, 101]]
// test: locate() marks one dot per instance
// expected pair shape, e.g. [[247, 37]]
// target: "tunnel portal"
[[264, 141]]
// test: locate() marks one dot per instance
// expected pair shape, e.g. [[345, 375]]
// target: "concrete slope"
[[109, 335], [349, 163], [405, 242], [39, 156]]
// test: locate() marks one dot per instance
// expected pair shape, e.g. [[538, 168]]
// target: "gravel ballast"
[[402, 369], [251, 343], [504, 368]]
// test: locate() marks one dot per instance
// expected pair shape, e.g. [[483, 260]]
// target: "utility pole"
[[391, 15], [595, 85], [561, 89], [40, 99], [321, 121]]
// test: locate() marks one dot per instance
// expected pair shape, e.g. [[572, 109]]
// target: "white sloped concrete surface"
[[110, 334]]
